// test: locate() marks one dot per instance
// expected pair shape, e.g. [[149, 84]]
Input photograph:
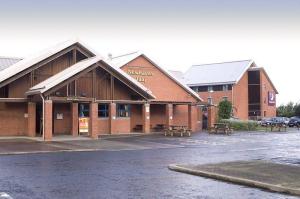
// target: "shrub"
[[224, 109], [241, 125]]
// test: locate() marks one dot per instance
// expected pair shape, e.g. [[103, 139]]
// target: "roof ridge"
[[125, 54], [222, 62], [7, 57]]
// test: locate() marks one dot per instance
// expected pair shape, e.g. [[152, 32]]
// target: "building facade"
[[247, 86], [70, 90]]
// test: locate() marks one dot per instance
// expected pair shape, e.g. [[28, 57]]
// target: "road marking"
[[4, 195], [254, 149]]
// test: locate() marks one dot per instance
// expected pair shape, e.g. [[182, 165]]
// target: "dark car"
[[294, 121], [280, 120], [266, 121]]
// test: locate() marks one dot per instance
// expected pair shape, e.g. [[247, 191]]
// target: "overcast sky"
[[175, 34]]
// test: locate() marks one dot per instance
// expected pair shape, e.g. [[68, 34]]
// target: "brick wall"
[[266, 86], [103, 126], [12, 119], [240, 98], [160, 84]]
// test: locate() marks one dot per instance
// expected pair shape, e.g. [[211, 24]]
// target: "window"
[[210, 88], [195, 88], [218, 88], [103, 110], [209, 100], [84, 110], [123, 110], [202, 89], [229, 87]]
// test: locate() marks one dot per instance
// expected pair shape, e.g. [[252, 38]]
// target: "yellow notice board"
[[83, 125]]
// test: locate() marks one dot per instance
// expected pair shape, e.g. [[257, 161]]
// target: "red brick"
[[74, 118], [31, 119], [48, 116]]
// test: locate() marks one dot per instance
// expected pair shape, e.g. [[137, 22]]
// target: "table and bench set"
[[180, 130]]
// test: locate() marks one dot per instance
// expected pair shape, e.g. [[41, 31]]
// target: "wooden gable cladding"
[[94, 82], [162, 86], [21, 82], [52, 68]]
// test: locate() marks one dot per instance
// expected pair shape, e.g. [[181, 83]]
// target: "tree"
[[224, 109], [297, 109], [287, 110]]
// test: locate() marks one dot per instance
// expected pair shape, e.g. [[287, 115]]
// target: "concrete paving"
[[23, 145], [137, 167], [281, 178]]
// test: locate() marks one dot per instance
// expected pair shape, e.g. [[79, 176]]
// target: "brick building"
[[49, 93], [246, 85]]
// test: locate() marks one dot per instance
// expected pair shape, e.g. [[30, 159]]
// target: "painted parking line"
[[4, 195]]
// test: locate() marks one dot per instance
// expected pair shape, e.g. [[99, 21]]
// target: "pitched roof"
[[60, 77], [217, 73], [36, 58], [8, 61], [122, 60], [178, 74]]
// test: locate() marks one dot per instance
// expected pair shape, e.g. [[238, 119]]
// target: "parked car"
[[265, 121], [294, 121], [280, 120], [274, 120]]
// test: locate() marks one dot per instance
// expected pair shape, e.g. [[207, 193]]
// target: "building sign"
[[271, 98], [83, 125], [139, 75], [59, 116]]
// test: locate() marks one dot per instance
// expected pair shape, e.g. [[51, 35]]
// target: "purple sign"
[[271, 98]]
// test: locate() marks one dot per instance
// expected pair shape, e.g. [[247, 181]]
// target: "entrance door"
[[204, 118], [39, 119], [83, 115]]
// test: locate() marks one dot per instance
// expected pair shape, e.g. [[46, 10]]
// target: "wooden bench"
[[221, 128], [138, 128], [159, 127]]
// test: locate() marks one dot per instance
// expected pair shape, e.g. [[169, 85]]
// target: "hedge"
[[241, 125]]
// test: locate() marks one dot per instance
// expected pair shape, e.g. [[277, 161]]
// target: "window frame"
[[124, 113], [105, 111]]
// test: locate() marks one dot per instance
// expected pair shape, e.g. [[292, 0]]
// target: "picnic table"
[[178, 129], [278, 126], [221, 128]]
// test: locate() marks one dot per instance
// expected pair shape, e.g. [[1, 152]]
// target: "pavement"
[[23, 145], [137, 167], [281, 178]]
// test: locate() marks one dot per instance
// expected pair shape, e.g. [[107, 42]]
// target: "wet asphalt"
[[143, 172]]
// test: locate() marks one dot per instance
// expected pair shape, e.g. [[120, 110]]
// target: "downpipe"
[[43, 99]]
